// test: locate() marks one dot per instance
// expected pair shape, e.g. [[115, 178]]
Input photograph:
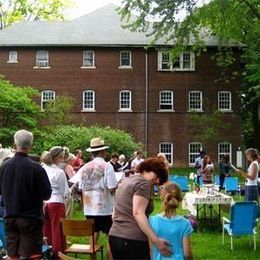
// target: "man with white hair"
[[24, 185]]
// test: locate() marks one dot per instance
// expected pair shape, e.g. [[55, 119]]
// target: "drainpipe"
[[146, 104]]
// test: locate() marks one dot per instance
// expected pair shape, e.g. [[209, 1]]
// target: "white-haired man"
[[24, 185]]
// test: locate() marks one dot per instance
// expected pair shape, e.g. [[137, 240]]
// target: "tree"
[[208, 128], [76, 137], [182, 21], [12, 11], [17, 110], [59, 111]]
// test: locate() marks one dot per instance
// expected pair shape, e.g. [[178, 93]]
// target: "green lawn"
[[206, 244]]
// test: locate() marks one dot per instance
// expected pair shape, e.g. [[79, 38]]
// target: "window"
[[42, 59], [12, 57], [194, 151], [125, 102], [167, 149], [88, 59], [46, 96], [224, 148], [166, 100], [89, 100], [125, 59], [195, 100], [224, 100], [185, 62]]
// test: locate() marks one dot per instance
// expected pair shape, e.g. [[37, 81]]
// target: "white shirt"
[[97, 178], [59, 184], [249, 170], [135, 162]]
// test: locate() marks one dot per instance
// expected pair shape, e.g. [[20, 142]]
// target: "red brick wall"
[[65, 75]]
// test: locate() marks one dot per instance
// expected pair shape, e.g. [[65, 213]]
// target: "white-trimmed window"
[[166, 100], [88, 59], [224, 148], [12, 57], [195, 101], [185, 62], [167, 149], [224, 101], [42, 59], [46, 96], [194, 151], [125, 100], [125, 59], [89, 100]]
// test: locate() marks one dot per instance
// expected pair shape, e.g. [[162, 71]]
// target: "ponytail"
[[172, 199]]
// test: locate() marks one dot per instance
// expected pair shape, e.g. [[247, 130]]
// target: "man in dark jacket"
[[24, 185]]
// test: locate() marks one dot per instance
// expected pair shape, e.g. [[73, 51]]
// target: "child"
[[176, 229]]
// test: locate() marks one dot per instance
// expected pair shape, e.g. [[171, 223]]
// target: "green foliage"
[[184, 22], [79, 137], [12, 11], [17, 110], [58, 111]]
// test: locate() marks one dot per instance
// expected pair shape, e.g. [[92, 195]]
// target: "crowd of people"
[[117, 194], [205, 170]]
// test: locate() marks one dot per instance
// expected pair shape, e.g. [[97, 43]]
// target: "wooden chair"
[[81, 228], [65, 257]]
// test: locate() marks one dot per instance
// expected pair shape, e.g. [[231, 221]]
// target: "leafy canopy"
[[12, 11], [17, 109]]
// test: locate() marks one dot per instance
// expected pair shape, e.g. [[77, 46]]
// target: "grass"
[[206, 244]]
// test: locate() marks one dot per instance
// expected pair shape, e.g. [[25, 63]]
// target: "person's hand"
[[163, 246]]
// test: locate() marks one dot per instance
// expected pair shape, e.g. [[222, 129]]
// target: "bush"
[[76, 137]]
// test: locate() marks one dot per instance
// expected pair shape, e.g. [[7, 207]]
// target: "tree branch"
[[252, 7]]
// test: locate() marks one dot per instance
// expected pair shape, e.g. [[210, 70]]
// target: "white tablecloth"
[[192, 199]]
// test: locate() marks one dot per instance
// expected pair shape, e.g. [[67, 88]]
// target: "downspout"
[[146, 104]]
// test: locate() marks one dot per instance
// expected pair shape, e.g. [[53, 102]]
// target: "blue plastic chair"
[[242, 221], [231, 184], [2, 233], [182, 181]]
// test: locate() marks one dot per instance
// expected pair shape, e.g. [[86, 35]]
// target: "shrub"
[[76, 137]]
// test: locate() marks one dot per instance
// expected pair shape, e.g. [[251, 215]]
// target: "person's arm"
[[221, 168], [250, 175], [139, 206], [187, 248]]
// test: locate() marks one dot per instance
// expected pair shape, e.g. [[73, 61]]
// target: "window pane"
[[195, 100], [194, 151], [166, 100], [186, 60], [13, 56], [125, 100], [224, 148], [47, 96], [42, 58], [125, 58], [166, 148], [88, 100], [88, 58], [165, 60], [224, 99]]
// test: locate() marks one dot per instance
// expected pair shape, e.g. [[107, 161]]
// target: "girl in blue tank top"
[[176, 229]]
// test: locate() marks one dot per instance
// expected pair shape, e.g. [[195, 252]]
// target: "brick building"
[[117, 82]]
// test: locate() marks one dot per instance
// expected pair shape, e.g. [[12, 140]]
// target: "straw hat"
[[97, 144]]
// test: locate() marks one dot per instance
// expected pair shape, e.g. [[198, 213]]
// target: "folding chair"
[[231, 184], [182, 181], [81, 228], [242, 221]]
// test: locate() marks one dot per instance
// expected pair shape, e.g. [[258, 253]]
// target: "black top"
[[24, 185]]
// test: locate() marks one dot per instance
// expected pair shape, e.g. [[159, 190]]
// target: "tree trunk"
[[256, 123]]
